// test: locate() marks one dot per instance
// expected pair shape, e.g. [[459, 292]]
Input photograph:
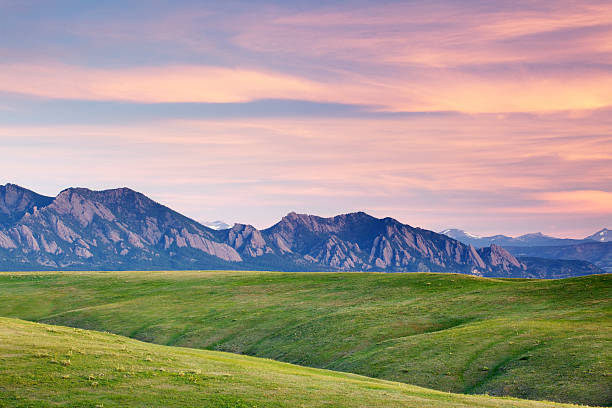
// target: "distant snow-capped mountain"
[[604, 235], [453, 233], [596, 248], [216, 225], [527, 240]]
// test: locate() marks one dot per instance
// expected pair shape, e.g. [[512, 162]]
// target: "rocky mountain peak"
[[111, 227], [115, 196], [16, 201], [337, 224], [498, 257], [294, 221], [247, 240]]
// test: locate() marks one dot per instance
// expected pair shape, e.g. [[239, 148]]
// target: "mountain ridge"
[[118, 227], [124, 229], [597, 253]]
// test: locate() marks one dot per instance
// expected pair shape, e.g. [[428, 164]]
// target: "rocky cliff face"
[[113, 228], [123, 229], [16, 201], [359, 241], [246, 239], [498, 259]]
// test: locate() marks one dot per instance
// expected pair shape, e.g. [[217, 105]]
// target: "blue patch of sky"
[[25, 111]]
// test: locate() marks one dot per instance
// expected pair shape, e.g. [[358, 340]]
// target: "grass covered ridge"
[[542, 340], [46, 365]]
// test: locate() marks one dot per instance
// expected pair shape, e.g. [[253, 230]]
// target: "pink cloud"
[[435, 171], [398, 57], [431, 34], [440, 91], [155, 84], [582, 201]]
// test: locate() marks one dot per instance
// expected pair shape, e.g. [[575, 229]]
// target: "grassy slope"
[[45, 365], [531, 339]]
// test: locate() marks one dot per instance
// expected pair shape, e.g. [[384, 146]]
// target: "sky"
[[493, 117]]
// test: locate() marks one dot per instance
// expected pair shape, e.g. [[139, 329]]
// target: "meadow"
[[539, 340], [46, 365]]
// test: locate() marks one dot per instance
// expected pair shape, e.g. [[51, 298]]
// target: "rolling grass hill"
[[542, 340], [46, 365]]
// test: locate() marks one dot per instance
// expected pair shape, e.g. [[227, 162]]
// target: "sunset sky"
[[490, 116]]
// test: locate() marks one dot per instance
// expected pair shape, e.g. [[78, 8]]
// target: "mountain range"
[[124, 229], [596, 248], [597, 253], [527, 240]]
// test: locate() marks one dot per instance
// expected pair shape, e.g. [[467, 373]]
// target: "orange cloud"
[[579, 201], [154, 84], [442, 91], [451, 57], [430, 56]]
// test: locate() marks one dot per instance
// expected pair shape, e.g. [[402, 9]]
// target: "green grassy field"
[[46, 365], [542, 340]]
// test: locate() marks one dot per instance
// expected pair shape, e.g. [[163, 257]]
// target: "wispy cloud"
[[155, 84], [482, 168], [582, 201], [433, 91], [424, 56], [438, 34]]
